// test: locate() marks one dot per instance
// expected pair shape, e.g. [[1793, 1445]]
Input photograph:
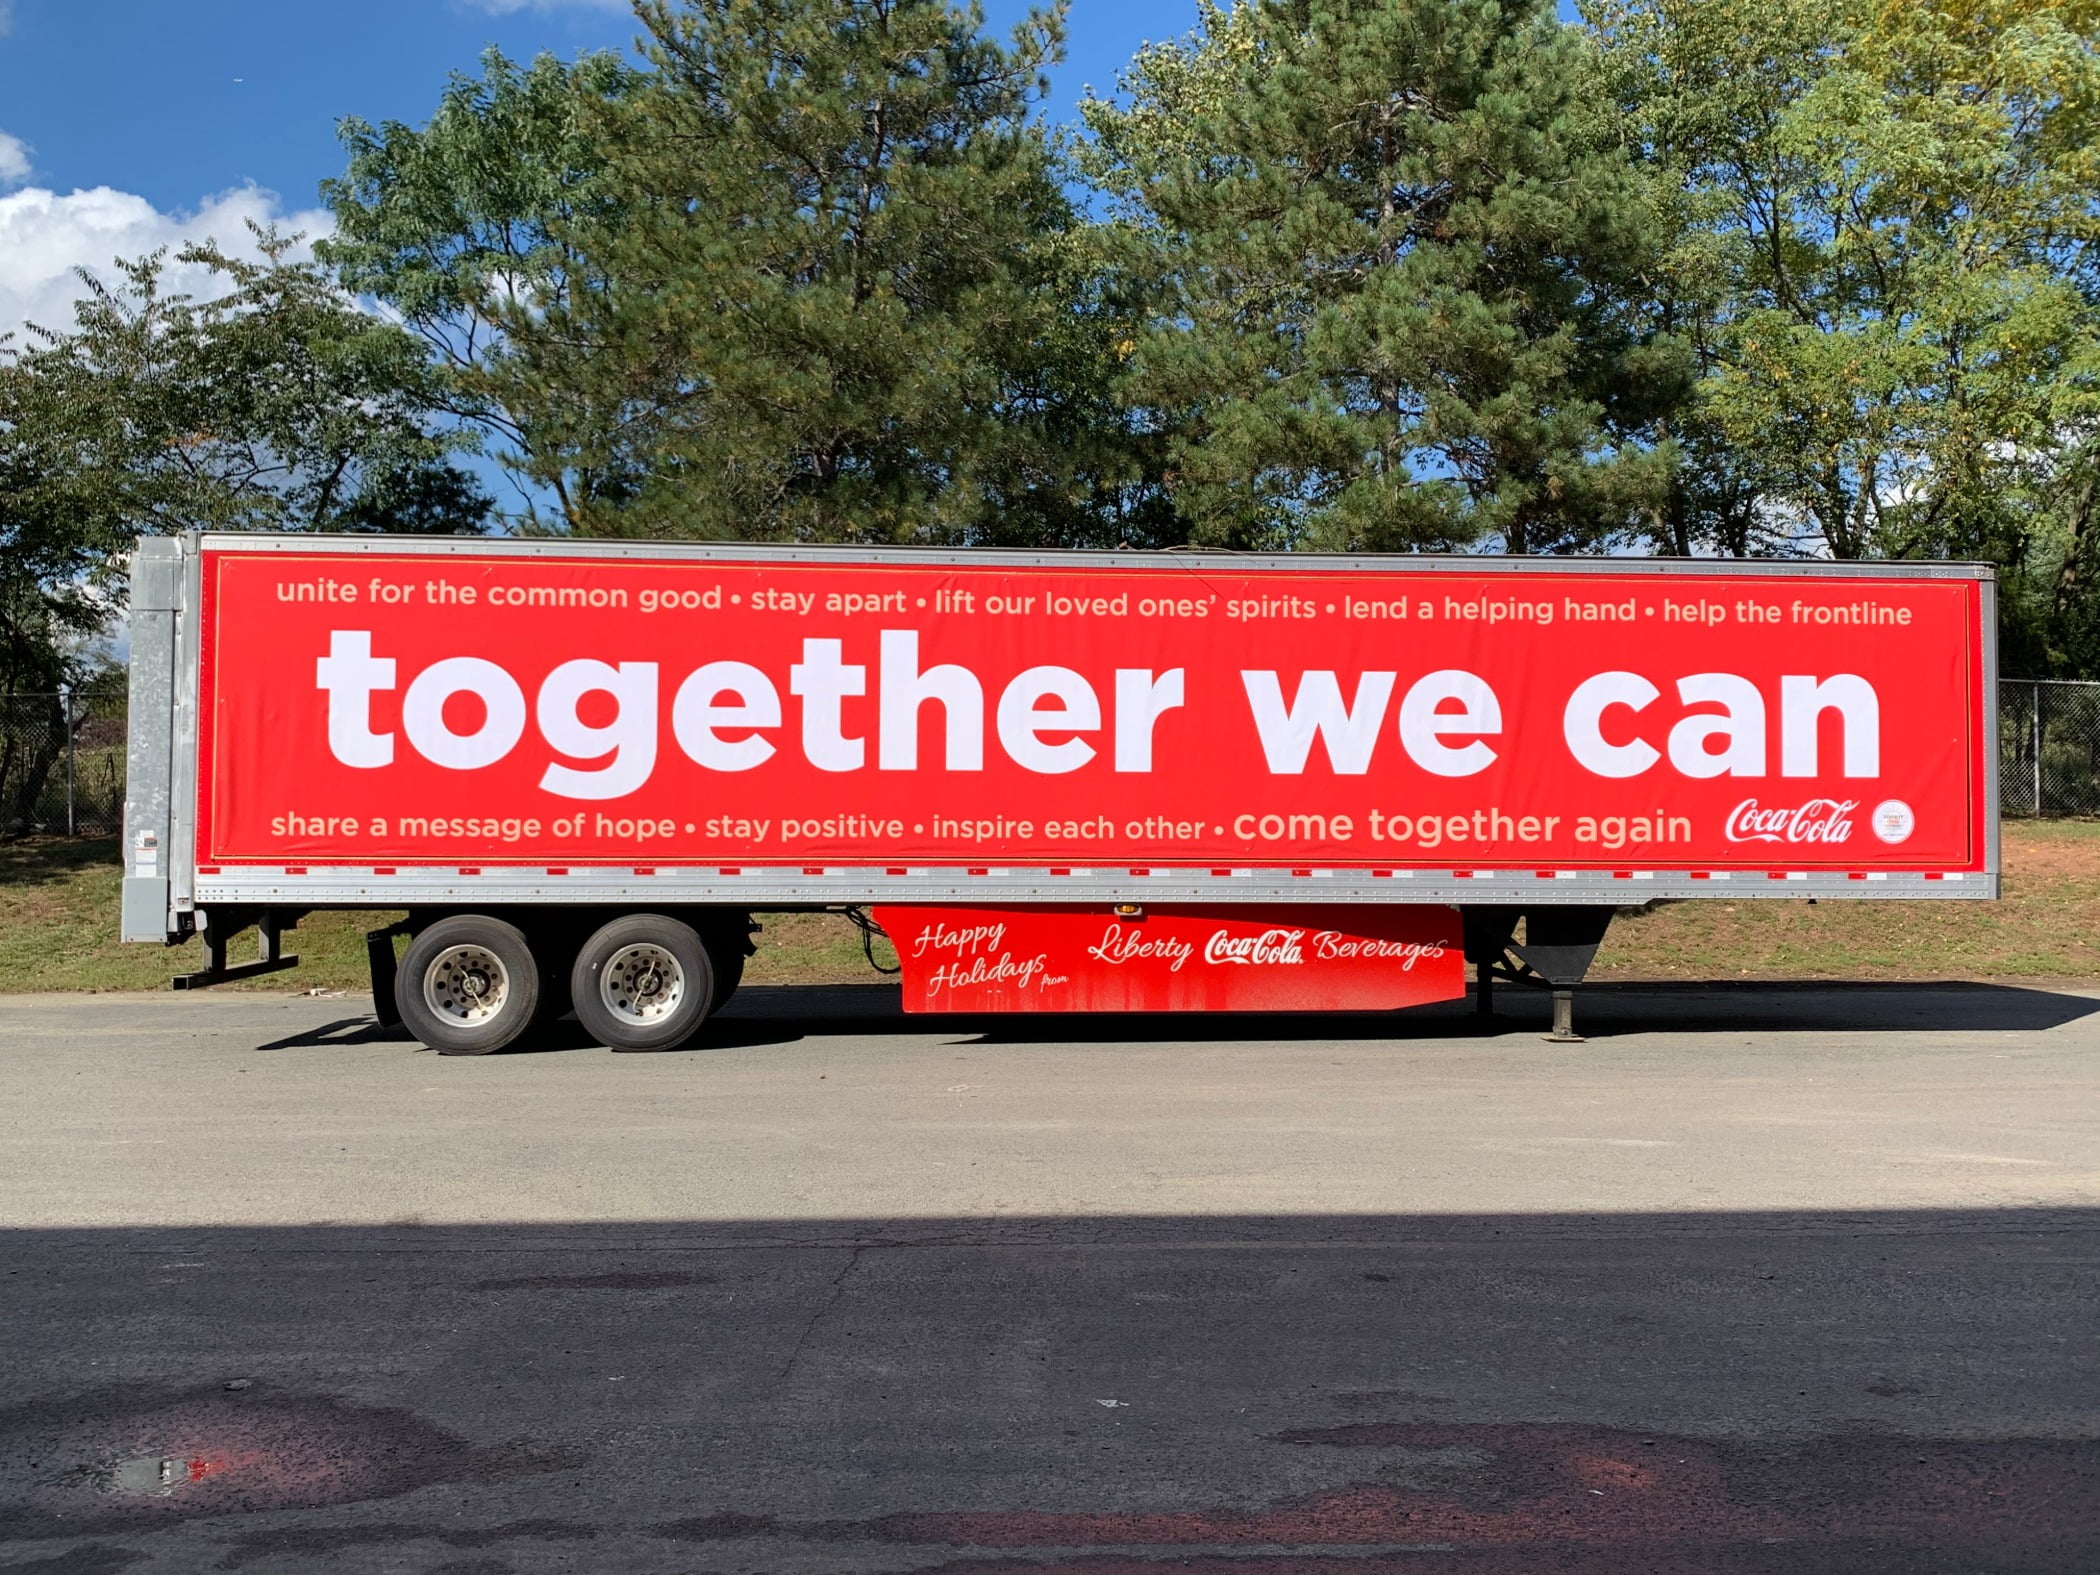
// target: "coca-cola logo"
[[1271, 946], [1819, 820]]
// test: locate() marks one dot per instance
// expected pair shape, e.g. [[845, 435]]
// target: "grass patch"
[[2046, 926], [59, 905], [59, 900]]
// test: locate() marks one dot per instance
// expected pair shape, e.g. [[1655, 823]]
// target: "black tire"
[[468, 986], [557, 954], [728, 964], [643, 982]]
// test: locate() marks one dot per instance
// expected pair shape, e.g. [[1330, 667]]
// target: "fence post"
[[72, 813], [2036, 730]]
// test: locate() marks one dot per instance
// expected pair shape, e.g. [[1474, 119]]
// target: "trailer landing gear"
[[1558, 947], [219, 925]]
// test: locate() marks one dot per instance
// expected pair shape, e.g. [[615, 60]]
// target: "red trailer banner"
[[375, 708], [1363, 958]]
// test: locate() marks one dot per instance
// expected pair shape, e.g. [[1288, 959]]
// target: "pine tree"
[[838, 291], [1399, 256]]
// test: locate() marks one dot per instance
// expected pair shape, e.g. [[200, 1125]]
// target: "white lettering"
[[1349, 733], [349, 673], [423, 713], [1742, 725], [822, 680], [630, 737], [698, 716], [1819, 820], [1141, 700], [1119, 945], [1423, 724], [1802, 702], [905, 689], [1269, 947], [1023, 719], [1580, 724]]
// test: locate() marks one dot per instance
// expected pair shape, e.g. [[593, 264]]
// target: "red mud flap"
[[1177, 959]]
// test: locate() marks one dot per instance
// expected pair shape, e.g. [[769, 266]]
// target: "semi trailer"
[[1058, 781]]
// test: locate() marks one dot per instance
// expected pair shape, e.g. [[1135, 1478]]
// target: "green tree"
[[837, 290], [1400, 265], [1888, 252], [274, 405], [454, 223]]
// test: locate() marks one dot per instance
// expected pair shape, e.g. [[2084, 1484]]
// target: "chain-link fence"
[[2048, 748], [62, 764], [62, 757]]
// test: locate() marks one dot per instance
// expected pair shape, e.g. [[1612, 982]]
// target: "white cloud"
[[44, 237], [14, 161]]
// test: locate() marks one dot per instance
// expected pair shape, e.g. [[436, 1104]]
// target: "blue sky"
[[173, 99], [130, 124]]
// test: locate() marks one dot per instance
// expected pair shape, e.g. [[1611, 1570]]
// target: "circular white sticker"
[[1893, 821]]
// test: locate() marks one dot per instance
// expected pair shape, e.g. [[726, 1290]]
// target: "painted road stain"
[[1627, 1497], [120, 1460]]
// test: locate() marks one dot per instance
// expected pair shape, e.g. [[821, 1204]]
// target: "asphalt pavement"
[[1758, 1279]]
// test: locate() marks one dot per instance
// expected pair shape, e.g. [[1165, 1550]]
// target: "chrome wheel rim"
[[467, 986], [641, 985]]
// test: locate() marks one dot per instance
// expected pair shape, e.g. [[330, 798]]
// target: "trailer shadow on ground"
[[1733, 1394], [782, 1014]]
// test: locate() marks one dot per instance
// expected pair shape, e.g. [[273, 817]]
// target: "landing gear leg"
[[1487, 936], [1564, 1020], [1559, 946]]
